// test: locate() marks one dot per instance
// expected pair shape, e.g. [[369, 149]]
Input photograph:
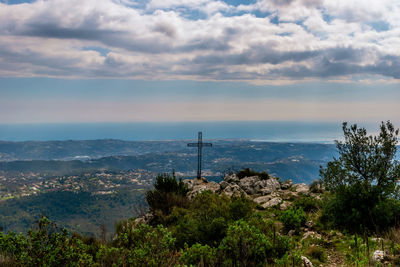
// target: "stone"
[[285, 205], [248, 183], [378, 255], [287, 184], [146, 218], [196, 186], [223, 184], [302, 189], [272, 203], [261, 200], [233, 190], [231, 178], [291, 233], [306, 262], [311, 234], [268, 186]]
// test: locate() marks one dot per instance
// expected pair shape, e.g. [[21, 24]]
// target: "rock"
[[231, 178], [261, 200], [223, 184], [266, 187], [311, 234], [248, 183], [287, 184], [306, 262], [233, 190], [291, 233], [197, 186], [285, 205], [302, 189], [378, 255], [144, 219], [272, 203]]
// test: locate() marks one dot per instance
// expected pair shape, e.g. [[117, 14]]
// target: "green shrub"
[[168, 193], [142, 245], [47, 246], [199, 255], [293, 218], [308, 203], [244, 245], [206, 219]]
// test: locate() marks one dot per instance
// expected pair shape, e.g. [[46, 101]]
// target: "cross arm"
[[206, 144], [193, 144]]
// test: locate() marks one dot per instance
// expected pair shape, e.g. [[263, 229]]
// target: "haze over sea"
[[321, 132]]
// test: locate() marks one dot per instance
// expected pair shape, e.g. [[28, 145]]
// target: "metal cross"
[[199, 146]]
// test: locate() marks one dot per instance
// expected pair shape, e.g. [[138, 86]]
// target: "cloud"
[[201, 40]]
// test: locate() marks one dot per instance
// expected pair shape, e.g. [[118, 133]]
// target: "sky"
[[199, 60]]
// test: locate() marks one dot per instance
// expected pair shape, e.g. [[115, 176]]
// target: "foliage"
[[245, 245], [247, 173], [199, 255], [48, 246], [206, 219], [363, 180], [293, 218], [141, 245], [308, 203], [168, 193]]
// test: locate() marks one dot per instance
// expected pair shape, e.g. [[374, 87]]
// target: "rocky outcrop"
[[197, 186], [265, 193]]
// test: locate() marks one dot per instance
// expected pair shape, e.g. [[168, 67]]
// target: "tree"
[[168, 193], [363, 180]]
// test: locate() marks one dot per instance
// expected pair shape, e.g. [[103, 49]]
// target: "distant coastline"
[[304, 132]]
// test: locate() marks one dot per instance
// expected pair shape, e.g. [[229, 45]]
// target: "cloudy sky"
[[199, 60]]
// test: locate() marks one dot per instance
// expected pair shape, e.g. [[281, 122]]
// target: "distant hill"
[[297, 161]]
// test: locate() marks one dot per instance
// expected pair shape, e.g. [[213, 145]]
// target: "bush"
[[168, 193], [247, 173], [141, 245], [199, 255], [293, 218], [47, 246], [308, 203], [244, 245], [205, 220]]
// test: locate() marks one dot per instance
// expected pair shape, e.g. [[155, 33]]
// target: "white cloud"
[[313, 39]]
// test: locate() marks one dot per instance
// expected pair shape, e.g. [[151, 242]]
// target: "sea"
[[271, 131]]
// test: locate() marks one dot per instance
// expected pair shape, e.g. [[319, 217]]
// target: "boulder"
[[302, 189], [261, 200], [268, 186], [287, 184], [224, 184], [272, 203], [248, 184], [233, 190], [231, 178], [196, 186]]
